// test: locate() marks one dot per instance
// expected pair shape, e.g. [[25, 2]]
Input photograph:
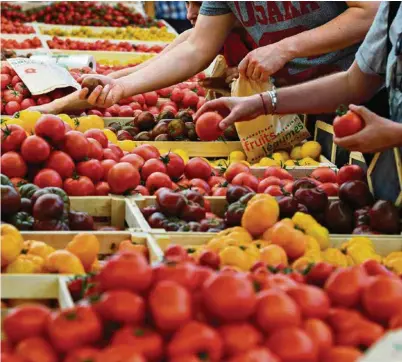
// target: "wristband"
[[274, 100], [263, 104]]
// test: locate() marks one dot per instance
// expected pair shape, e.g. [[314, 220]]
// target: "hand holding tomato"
[[233, 109], [378, 134], [347, 123]]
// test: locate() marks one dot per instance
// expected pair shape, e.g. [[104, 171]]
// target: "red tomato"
[[48, 178], [79, 186], [342, 354], [95, 149], [151, 98], [170, 305], [139, 98], [120, 306], [12, 96], [50, 127], [62, 163], [12, 137], [216, 180], [102, 189], [324, 175], [320, 333], [174, 165], [27, 102], [83, 354], [319, 273], [35, 149], [98, 135], [165, 92], [382, 298], [234, 169], [13, 165], [107, 165], [91, 168], [123, 177], [135, 160], [246, 179], [5, 80], [207, 126], [117, 150], [197, 168], [43, 100], [34, 349], [183, 273], [331, 189], [114, 274], [347, 124], [142, 190], [239, 338], [229, 297], [256, 354], [374, 268], [274, 190], [74, 327], [201, 102], [12, 107], [151, 166], [125, 111], [350, 173], [269, 181], [76, 145], [197, 182], [177, 95], [312, 301], [146, 152], [158, 180], [21, 88], [276, 310], [108, 154], [278, 172], [175, 253], [219, 191], [121, 353], [190, 99], [26, 321], [292, 344], [146, 341], [345, 286]]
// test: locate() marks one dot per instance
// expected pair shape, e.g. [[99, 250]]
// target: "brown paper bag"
[[265, 134]]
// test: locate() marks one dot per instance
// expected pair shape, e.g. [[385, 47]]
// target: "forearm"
[[397, 134], [124, 72], [69, 103], [347, 29], [326, 94]]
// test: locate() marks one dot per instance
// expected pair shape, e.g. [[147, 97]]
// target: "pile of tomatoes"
[[24, 44], [180, 311], [15, 27]]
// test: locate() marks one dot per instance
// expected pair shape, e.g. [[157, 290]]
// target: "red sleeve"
[[234, 49]]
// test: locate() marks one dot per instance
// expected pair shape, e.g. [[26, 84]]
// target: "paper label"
[[42, 77], [388, 349]]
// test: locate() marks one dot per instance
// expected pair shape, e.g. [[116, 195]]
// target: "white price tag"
[[388, 349], [41, 77]]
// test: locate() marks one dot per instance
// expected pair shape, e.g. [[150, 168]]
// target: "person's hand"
[[105, 95], [233, 109], [377, 135], [262, 62], [231, 74]]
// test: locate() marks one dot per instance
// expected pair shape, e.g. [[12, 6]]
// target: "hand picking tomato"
[[170, 305], [194, 338], [73, 328], [207, 126], [347, 123]]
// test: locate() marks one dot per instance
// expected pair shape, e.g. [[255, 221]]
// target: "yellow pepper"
[[360, 254], [393, 261], [253, 254], [39, 248], [235, 256], [311, 227], [11, 243], [361, 241], [26, 264], [303, 221], [216, 244], [335, 257]]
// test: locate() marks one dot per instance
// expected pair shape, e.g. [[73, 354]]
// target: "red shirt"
[[237, 45]]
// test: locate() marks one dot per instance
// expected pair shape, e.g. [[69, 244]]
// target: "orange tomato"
[[273, 255], [86, 247], [64, 262], [293, 241], [342, 354], [276, 310], [292, 344], [131, 245], [320, 333]]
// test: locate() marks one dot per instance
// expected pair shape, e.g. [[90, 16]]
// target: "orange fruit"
[[86, 247], [64, 262], [273, 255]]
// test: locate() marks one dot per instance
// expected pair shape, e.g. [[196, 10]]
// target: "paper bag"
[[41, 77], [215, 78], [265, 134]]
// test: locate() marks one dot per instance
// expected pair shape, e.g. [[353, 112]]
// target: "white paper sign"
[[388, 349], [42, 77]]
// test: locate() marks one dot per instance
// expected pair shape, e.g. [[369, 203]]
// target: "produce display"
[[181, 311], [78, 13], [15, 27], [128, 33], [23, 44], [101, 45]]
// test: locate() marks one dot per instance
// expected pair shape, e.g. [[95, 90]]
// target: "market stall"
[[147, 236]]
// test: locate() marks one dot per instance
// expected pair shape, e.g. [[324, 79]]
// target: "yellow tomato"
[[96, 121], [66, 118], [265, 161], [39, 248], [289, 163], [126, 145], [236, 156], [284, 155], [308, 161], [235, 256], [29, 119], [278, 158], [83, 123], [11, 242], [9, 120], [26, 264], [110, 135], [182, 153], [311, 149], [296, 154]]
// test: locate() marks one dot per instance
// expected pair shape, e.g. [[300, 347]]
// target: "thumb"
[[362, 111], [229, 120], [208, 106]]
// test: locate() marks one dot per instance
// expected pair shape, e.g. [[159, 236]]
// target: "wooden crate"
[[113, 207], [324, 135], [357, 158]]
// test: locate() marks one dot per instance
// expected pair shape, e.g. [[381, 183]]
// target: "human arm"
[[346, 29], [317, 96], [377, 135], [182, 62]]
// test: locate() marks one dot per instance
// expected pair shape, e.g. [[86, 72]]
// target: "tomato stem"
[[341, 110]]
